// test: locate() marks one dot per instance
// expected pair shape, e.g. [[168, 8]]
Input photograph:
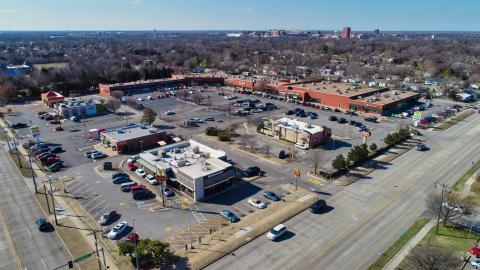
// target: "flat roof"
[[143, 82], [189, 157], [295, 124], [130, 132], [341, 89], [387, 97]]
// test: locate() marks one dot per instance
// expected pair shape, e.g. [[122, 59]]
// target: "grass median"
[[461, 182], [398, 245]]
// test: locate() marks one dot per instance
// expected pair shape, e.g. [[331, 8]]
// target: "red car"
[[49, 161], [42, 154], [131, 237], [475, 251], [131, 166]]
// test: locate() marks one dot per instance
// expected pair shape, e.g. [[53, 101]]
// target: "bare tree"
[[182, 94], [196, 98], [450, 209], [244, 138], [267, 148], [112, 104], [252, 145], [117, 94], [432, 257], [7, 91], [315, 156]]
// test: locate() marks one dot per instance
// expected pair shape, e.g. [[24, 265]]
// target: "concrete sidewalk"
[[403, 253], [232, 237]]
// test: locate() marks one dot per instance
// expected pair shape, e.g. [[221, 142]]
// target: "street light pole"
[[331, 155], [33, 174]]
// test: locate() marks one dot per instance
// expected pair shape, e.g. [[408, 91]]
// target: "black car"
[[371, 119], [342, 120], [55, 150], [19, 125], [351, 122], [45, 157], [332, 118], [142, 194], [117, 174], [42, 224], [251, 171], [317, 206], [289, 112]]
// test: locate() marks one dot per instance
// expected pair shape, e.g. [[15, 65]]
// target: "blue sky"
[[460, 15]]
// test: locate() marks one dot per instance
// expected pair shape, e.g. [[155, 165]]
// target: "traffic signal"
[[70, 264]]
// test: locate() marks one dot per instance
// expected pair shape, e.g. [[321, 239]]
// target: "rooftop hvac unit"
[[182, 163], [196, 150]]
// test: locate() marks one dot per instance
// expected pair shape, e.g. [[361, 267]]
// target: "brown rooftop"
[[341, 89]]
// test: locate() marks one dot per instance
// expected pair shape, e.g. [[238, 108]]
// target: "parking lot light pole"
[[33, 174], [46, 198]]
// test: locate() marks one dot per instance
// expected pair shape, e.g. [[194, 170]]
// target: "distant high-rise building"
[[376, 31], [345, 33]]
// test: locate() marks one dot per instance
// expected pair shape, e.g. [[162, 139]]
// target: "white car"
[[475, 263], [303, 146], [256, 111], [97, 155], [150, 98], [132, 159], [257, 203], [276, 232], [117, 230], [151, 179], [141, 173], [140, 99]]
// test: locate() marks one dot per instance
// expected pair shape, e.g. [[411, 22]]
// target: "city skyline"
[[188, 15]]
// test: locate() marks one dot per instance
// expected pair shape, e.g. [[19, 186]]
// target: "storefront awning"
[[161, 143], [177, 139]]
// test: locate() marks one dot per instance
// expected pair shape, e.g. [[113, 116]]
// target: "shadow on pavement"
[[337, 145], [284, 237], [235, 195]]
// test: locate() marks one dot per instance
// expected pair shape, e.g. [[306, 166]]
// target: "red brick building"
[[345, 32]]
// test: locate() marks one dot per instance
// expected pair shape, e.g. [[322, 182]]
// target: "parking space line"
[[89, 203], [102, 210], [73, 184], [100, 204], [241, 210]]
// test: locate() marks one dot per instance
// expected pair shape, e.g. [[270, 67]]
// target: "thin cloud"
[[249, 9], [135, 1], [4, 11]]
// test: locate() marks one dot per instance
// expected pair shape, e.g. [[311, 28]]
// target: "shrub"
[[373, 147], [211, 131]]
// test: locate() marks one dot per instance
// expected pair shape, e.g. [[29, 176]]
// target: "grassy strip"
[[71, 236], [398, 245], [25, 166], [457, 241], [461, 182]]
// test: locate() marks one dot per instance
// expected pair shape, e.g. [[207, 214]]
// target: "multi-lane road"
[[22, 246], [369, 215]]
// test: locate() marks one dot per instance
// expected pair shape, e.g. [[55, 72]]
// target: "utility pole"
[[161, 191], [135, 242], [33, 173], [444, 188], [18, 155], [331, 155], [54, 210], [46, 198], [8, 140], [94, 233]]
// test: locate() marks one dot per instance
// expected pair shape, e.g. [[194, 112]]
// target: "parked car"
[[169, 113], [150, 98], [55, 167], [317, 206], [98, 155], [133, 158], [42, 224], [41, 154], [89, 153], [121, 179], [19, 125], [271, 196], [151, 179], [141, 173], [107, 217], [251, 171], [228, 215], [131, 166], [371, 119], [44, 157], [117, 230], [118, 174], [74, 119], [56, 150], [50, 161], [140, 99], [132, 237], [256, 203], [142, 194], [127, 186], [276, 232], [475, 251], [342, 120], [421, 147], [289, 112], [167, 191], [332, 118]]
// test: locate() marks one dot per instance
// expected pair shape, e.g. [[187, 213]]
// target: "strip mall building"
[[345, 96]]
